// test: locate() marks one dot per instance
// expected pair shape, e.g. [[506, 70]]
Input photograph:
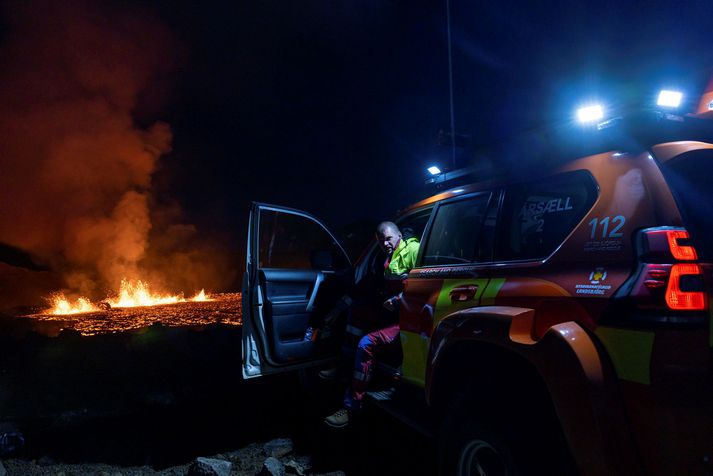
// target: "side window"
[[455, 233], [292, 241], [538, 216], [414, 224]]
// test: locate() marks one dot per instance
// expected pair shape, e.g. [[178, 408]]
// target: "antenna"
[[450, 82]]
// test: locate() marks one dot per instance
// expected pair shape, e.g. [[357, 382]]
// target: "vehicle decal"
[[616, 224], [488, 297], [451, 292], [444, 271], [535, 206], [455, 295], [630, 351], [415, 349], [606, 234], [596, 284]]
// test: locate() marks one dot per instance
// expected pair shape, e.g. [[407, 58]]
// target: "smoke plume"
[[75, 168]]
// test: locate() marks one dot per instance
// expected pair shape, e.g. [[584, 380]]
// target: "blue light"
[[590, 113], [433, 170], [669, 98]]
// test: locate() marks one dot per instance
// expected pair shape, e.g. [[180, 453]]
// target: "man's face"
[[388, 239]]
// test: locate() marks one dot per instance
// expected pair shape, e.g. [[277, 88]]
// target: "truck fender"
[[574, 368]]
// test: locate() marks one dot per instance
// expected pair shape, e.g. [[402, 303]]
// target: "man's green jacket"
[[403, 259]]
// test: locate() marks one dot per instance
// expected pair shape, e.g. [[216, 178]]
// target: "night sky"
[[335, 107]]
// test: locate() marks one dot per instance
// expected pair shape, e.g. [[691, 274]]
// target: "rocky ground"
[[274, 458], [267, 427], [169, 399]]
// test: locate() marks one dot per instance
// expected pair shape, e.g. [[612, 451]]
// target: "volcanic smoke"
[[75, 186]]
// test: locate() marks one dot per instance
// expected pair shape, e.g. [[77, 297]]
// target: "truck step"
[[407, 404]]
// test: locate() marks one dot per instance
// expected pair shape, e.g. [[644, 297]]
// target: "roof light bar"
[[590, 114], [669, 98]]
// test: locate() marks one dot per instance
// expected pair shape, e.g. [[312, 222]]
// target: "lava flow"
[[131, 294]]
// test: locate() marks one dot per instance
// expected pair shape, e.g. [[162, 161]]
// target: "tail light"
[[678, 249], [668, 278], [677, 298]]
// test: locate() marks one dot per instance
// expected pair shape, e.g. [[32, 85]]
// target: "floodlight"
[[590, 113], [433, 170], [669, 98]]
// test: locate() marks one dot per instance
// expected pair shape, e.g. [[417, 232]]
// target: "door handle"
[[463, 293], [313, 297]]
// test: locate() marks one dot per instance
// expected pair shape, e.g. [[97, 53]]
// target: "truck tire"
[[468, 446], [477, 439]]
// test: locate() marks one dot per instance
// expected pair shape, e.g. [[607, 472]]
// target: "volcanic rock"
[[278, 448], [272, 467], [247, 460], [209, 467], [45, 461], [294, 467]]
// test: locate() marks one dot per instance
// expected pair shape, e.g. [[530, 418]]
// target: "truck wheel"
[[479, 457], [485, 439], [468, 447]]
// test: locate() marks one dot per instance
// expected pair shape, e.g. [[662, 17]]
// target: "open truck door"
[[296, 271]]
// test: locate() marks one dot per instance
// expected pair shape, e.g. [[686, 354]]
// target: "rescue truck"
[[557, 321]]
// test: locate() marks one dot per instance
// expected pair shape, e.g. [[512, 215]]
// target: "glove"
[[392, 304]]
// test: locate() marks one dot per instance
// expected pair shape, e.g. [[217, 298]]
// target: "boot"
[[338, 419], [330, 373]]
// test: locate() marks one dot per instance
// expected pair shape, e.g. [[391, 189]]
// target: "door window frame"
[[495, 199], [255, 253]]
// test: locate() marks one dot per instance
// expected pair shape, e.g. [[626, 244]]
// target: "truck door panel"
[[295, 273]]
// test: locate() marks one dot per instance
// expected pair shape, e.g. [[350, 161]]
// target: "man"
[[401, 256]]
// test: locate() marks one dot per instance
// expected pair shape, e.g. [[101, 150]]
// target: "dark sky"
[[334, 107]]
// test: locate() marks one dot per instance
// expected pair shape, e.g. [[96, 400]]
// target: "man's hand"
[[392, 304]]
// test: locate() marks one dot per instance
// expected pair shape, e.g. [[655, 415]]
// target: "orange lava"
[[63, 306], [131, 294]]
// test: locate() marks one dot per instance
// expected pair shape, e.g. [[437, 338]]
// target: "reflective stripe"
[[491, 291], [355, 331], [415, 351], [630, 351]]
